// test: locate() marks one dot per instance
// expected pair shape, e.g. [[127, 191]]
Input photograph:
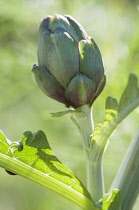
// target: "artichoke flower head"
[[70, 67]]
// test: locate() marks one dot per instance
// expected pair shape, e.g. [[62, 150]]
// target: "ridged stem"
[[127, 178], [93, 166]]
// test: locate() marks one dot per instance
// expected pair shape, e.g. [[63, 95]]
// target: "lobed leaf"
[[33, 159], [130, 93], [114, 114], [62, 113]]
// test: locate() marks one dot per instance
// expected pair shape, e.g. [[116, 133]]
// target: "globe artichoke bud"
[[70, 68]]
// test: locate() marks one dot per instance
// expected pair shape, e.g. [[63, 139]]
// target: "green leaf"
[[114, 114], [111, 201], [130, 93], [4, 146], [33, 159], [111, 110], [62, 113]]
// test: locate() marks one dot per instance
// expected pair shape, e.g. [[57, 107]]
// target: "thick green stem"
[[93, 166], [127, 178], [86, 125], [95, 179]]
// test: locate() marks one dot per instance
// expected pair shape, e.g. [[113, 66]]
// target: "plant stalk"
[[93, 166], [127, 178]]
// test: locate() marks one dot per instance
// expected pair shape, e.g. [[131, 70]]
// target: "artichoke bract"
[[70, 67]]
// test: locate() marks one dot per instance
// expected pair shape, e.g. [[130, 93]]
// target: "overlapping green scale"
[[79, 91], [59, 54], [48, 84], [91, 63]]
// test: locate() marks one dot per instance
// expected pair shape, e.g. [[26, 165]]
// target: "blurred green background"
[[114, 25]]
